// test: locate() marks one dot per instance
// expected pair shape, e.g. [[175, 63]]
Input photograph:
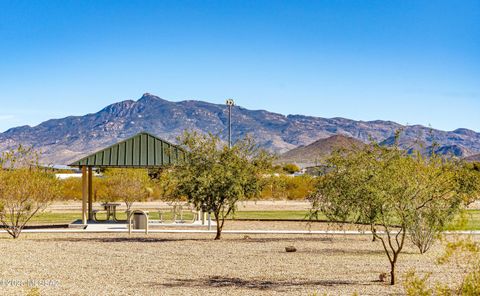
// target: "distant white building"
[[73, 171]]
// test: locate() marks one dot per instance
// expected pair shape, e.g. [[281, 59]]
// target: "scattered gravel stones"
[[290, 249], [194, 264]]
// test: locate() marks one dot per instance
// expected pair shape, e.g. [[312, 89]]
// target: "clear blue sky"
[[406, 61]]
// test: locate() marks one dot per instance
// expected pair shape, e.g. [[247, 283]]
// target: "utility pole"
[[230, 103]]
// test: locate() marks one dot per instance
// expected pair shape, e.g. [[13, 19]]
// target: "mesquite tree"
[[25, 189], [215, 177], [393, 191]]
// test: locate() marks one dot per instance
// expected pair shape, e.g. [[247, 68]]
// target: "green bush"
[[287, 187], [291, 168], [471, 283], [465, 252]]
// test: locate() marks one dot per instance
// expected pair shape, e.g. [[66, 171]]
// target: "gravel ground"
[[185, 264], [273, 225]]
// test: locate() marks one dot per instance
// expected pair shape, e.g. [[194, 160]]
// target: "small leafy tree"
[[450, 184], [394, 191], [216, 177], [25, 189], [164, 184], [127, 185], [275, 186], [423, 231]]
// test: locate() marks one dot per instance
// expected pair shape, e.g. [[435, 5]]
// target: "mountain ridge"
[[316, 152], [473, 158], [66, 139]]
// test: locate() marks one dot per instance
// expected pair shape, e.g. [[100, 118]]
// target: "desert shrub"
[[25, 189], [101, 191], [33, 292], [299, 188], [476, 166], [418, 286], [291, 168], [471, 283], [72, 189], [286, 187], [274, 187], [465, 253]]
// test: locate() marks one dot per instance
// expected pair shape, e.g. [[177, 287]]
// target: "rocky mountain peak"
[[150, 98], [66, 139]]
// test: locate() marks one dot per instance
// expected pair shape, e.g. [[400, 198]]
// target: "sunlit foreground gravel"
[[194, 264]]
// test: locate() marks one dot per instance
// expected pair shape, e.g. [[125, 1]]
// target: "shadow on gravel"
[[226, 239], [117, 239], [338, 251], [227, 282], [349, 251], [251, 238]]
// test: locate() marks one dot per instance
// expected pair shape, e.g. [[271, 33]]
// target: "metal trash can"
[[140, 220]]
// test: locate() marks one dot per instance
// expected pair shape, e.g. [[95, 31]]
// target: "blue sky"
[[415, 62]]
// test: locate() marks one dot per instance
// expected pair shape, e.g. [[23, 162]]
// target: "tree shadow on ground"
[[117, 239], [246, 239], [232, 282]]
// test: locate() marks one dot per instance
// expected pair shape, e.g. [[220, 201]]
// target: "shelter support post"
[[84, 194], [90, 194]]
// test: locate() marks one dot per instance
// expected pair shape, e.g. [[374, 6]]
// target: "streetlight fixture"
[[230, 103]]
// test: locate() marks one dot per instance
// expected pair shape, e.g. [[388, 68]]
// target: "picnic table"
[[111, 209], [178, 211]]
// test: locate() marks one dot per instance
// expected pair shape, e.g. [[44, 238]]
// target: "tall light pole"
[[230, 103]]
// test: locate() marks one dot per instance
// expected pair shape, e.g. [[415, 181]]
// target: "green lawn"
[[55, 218], [65, 218], [59, 218], [469, 221], [272, 215]]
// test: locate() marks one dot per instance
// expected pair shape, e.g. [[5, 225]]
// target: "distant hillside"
[[451, 150], [473, 158], [317, 151], [67, 139], [415, 142]]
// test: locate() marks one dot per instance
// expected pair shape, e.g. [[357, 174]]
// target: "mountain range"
[[64, 140]]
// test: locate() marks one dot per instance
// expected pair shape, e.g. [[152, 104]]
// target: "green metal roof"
[[140, 151]]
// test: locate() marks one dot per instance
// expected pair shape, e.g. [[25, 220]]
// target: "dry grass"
[[189, 264]]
